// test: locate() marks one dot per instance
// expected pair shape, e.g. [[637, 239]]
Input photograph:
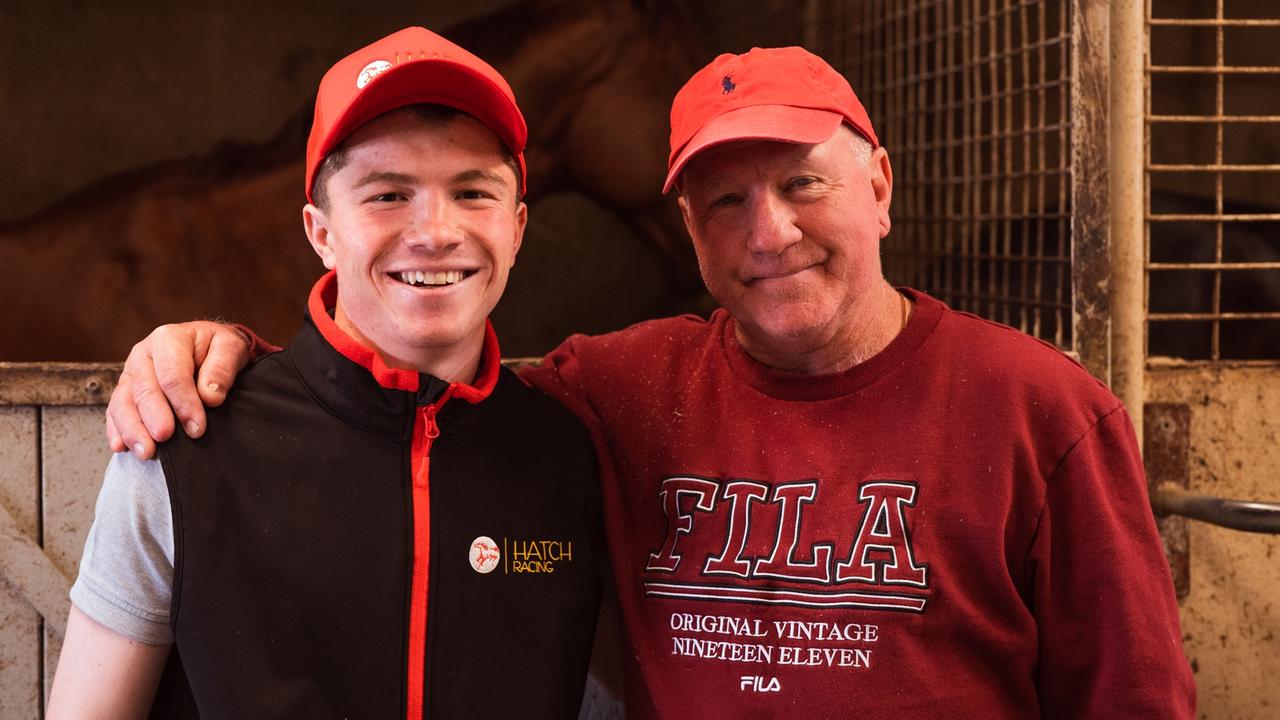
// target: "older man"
[[834, 498], [385, 523]]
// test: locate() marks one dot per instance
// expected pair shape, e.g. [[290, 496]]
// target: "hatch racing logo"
[[519, 557]]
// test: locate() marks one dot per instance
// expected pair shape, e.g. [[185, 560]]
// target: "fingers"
[[227, 354], [159, 383], [113, 435], [170, 388], [125, 428]]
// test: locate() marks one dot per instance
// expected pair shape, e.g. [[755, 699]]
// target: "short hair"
[[433, 114]]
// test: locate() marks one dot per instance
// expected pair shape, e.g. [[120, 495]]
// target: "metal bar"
[[1261, 265], [1127, 188], [1217, 69], [1217, 22], [1245, 515], [1219, 109], [1212, 217], [1216, 167], [1265, 119], [1216, 316], [1145, 39], [1161, 362]]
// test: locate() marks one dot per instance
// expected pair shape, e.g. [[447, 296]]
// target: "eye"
[[801, 182], [387, 197], [725, 200], [473, 194]]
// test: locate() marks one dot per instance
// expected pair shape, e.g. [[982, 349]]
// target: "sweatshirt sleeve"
[[561, 376], [1110, 642]]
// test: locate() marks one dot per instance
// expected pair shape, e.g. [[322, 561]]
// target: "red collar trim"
[[324, 295]]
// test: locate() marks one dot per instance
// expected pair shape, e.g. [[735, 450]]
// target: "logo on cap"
[[727, 84], [484, 555], [371, 71]]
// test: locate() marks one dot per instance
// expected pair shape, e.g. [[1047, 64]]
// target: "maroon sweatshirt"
[[956, 528]]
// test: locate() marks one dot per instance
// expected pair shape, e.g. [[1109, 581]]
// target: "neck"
[[457, 363], [875, 323]]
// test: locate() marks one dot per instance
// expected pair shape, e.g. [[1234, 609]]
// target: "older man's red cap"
[[781, 94], [409, 67]]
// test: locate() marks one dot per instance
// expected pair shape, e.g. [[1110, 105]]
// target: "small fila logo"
[[726, 85], [755, 683], [371, 71], [484, 555]]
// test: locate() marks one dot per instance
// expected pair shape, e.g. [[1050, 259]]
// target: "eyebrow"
[[391, 177], [405, 179], [473, 175]]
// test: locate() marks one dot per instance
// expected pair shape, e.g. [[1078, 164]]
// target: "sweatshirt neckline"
[[797, 386]]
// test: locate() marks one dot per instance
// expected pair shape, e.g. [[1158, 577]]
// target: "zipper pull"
[[422, 445], [432, 430]]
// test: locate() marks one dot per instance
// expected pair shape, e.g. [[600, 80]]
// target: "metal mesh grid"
[[1212, 158], [972, 99]]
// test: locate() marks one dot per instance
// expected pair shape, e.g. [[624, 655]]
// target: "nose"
[[771, 229], [432, 224]]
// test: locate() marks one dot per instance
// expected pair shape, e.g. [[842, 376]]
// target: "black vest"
[[294, 542]]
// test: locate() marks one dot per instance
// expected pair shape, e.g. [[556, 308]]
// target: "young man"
[[387, 522], [833, 498]]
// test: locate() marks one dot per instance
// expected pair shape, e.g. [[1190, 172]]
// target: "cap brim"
[[777, 123], [436, 81]]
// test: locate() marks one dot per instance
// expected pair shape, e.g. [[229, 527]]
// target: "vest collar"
[[355, 383], [324, 295]]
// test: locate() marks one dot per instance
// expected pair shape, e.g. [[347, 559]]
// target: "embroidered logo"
[[371, 71], [726, 85], [484, 555]]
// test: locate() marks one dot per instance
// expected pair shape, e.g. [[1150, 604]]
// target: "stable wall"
[[1231, 617]]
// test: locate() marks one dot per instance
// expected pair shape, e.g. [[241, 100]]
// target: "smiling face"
[[788, 241], [422, 224]]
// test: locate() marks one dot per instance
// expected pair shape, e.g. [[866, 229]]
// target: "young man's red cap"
[[410, 67], [784, 94]]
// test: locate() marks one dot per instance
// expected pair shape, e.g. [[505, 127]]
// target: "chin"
[[788, 324]]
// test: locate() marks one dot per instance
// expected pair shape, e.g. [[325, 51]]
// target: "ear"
[[316, 225], [881, 186], [522, 221], [683, 201]]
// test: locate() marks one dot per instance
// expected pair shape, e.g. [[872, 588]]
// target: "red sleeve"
[[560, 376], [1110, 643], [257, 346]]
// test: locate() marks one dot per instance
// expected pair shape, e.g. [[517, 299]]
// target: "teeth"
[[418, 277]]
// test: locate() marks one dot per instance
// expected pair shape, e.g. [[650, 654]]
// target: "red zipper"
[[425, 430]]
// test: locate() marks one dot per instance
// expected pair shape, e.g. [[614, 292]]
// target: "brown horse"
[[221, 235]]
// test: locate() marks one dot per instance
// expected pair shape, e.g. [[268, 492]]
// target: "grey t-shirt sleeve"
[[126, 572]]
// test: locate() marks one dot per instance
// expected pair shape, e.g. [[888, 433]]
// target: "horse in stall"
[[220, 235]]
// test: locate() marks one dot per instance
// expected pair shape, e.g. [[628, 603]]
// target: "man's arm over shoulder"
[[176, 370], [1110, 642], [560, 375], [118, 634]]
